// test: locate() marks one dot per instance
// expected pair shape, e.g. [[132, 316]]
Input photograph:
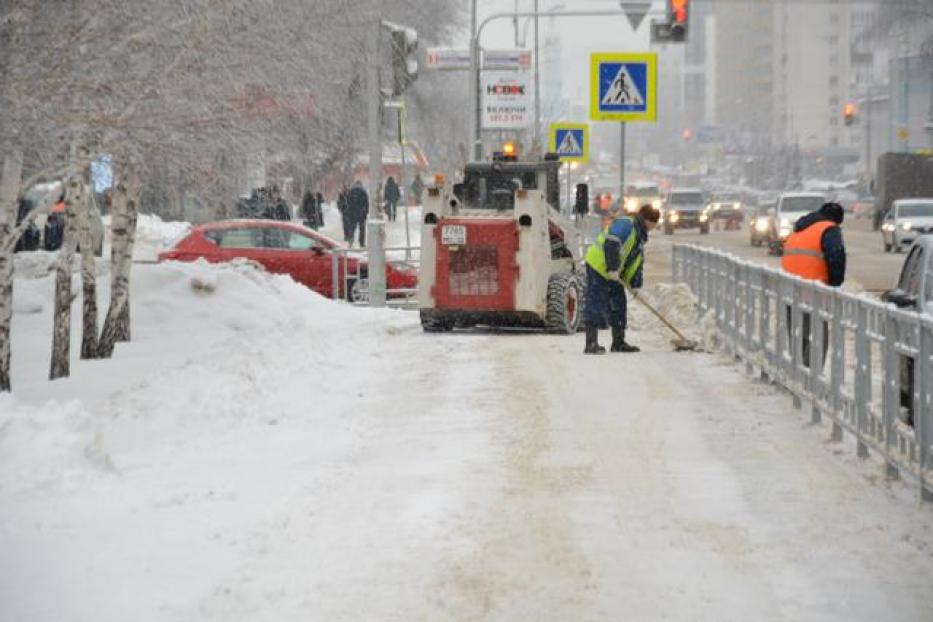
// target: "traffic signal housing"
[[404, 57], [678, 18], [848, 113]]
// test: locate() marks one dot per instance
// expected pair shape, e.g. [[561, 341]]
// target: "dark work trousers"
[[605, 299], [391, 210], [805, 336]]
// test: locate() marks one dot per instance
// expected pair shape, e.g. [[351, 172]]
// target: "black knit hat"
[[833, 211]]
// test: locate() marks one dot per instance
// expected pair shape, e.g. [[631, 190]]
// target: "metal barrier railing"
[[349, 274], [877, 382]]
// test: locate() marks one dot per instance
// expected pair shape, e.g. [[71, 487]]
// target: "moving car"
[[905, 222], [759, 222], [725, 208], [914, 292], [790, 207], [685, 208], [642, 193], [286, 248]]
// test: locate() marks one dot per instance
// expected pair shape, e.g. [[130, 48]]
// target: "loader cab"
[[494, 186]]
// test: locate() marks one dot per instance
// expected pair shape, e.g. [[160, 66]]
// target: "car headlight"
[[761, 225], [887, 227], [784, 232], [674, 216], [704, 217], [656, 203], [907, 226], [785, 223], [737, 205], [631, 205]]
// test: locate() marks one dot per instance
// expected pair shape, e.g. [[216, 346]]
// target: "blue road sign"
[[623, 87], [569, 141]]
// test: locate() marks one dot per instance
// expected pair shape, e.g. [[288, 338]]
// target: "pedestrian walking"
[[614, 262], [343, 206], [319, 209], [358, 209], [307, 210], [392, 196], [417, 187], [816, 251]]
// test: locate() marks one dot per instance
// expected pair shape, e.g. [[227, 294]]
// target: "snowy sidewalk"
[[260, 453]]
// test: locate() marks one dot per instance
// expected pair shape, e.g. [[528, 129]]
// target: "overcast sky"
[[579, 35]]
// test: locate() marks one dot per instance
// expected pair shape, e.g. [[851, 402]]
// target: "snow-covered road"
[[260, 453]]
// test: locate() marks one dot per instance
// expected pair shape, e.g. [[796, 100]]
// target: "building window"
[[833, 80]]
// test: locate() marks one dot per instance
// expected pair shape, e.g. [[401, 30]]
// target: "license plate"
[[453, 235]]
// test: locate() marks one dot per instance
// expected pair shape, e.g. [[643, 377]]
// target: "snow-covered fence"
[[865, 364], [349, 273]]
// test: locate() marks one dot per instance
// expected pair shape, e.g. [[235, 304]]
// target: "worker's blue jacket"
[[620, 247]]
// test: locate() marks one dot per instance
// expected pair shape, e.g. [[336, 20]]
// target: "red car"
[[285, 248]]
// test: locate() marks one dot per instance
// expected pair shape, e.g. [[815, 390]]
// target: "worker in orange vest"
[[816, 251]]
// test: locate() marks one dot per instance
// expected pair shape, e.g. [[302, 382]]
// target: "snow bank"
[[677, 303], [153, 235]]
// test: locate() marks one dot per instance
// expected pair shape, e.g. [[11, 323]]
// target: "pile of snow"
[[153, 235]]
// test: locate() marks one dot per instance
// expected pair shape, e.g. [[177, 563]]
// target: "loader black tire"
[[564, 304], [431, 323]]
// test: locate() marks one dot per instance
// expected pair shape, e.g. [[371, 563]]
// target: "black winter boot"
[[592, 341], [618, 342]]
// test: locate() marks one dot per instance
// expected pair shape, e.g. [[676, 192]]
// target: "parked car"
[[685, 208], [914, 292], [286, 248], [905, 222], [790, 207], [759, 222]]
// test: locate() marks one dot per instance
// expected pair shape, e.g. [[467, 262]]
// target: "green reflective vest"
[[596, 256]]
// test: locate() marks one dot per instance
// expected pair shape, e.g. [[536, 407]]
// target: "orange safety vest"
[[58, 207], [803, 253]]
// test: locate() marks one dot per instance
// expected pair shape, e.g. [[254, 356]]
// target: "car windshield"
[[915, 210], [646, 191], [726, 198], [686, 198], [801, 205]]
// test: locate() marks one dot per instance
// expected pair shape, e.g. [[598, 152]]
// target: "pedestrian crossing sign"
[[570, 141], [623, 87]]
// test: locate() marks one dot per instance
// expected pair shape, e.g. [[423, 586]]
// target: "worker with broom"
[[613, 263]]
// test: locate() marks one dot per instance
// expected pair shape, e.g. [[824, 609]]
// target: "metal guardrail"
[[352, 285], [877, 382]]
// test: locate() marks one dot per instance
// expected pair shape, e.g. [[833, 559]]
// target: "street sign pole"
[[621, 163]]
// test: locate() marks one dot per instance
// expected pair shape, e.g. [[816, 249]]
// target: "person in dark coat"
[[358, 208], [319, 208], [29, 241], [392, 196], [343, 207], [308, 212], [417, 187]]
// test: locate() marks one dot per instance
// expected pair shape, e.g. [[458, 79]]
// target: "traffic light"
[[404, 60], [848, 113], [678, 16]]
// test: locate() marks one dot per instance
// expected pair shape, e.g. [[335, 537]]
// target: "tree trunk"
[[123, 229], [75, 196], [9, 187], [88, 283]]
